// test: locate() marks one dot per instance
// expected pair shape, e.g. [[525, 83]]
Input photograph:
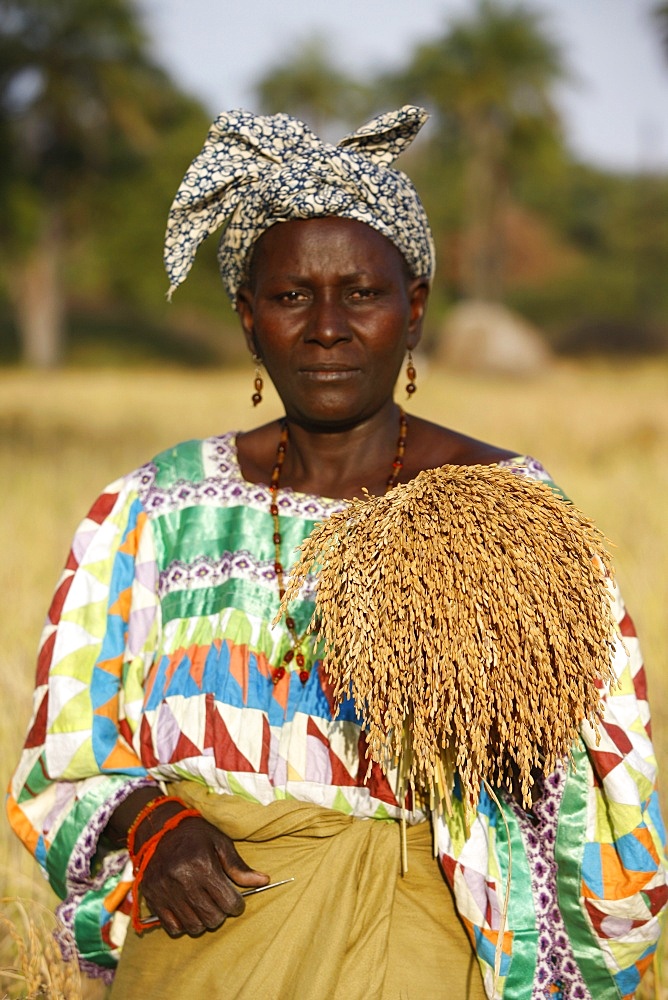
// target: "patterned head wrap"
[[254, 172]]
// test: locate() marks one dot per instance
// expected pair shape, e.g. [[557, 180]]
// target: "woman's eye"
[[291, 296], [363, 293]]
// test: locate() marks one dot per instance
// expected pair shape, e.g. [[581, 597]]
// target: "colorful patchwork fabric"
[[155, 665]]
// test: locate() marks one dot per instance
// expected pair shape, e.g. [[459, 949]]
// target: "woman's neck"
[[336, 464], [339, 464]]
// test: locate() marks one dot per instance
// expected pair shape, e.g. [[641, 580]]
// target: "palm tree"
[[488, 80], [308, 85], [77, 94], [660, 14]]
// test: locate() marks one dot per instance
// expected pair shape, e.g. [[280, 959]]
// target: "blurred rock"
[[488, 337]]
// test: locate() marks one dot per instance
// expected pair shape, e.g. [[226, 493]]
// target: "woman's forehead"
[[325, 240]]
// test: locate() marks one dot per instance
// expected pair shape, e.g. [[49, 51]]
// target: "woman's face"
[[331, 310]]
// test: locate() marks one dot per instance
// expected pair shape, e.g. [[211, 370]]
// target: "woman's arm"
[[79, 762]]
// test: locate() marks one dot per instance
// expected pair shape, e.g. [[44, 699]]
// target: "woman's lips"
[[328, 374]]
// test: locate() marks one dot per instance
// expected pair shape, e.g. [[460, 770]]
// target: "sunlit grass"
[[602, 432]]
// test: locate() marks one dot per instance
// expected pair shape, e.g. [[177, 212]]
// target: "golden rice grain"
[[468, 615], [31, 962]]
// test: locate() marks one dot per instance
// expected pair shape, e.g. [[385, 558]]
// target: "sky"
[[615, 107]]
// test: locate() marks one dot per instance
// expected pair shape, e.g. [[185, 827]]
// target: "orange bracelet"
[[143, 858], [144, 814]]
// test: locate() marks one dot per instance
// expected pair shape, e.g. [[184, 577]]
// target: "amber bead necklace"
[[296, 651]]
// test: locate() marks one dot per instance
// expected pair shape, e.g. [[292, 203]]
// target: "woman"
[[161, 672]]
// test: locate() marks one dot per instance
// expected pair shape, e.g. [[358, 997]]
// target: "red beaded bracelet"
[[141, 860], [145, 813]]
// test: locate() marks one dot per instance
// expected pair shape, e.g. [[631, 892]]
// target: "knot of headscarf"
[[256, 171]]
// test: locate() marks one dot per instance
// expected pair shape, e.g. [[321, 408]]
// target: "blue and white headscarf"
[[254, 172]]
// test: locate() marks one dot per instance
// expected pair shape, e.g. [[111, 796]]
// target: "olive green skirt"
[[349, 926]]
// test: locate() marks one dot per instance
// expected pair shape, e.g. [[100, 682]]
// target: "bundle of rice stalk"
[[32, 964], [468, 615]]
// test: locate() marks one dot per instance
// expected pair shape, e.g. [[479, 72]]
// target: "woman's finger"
[[235, 867], [224, 895]]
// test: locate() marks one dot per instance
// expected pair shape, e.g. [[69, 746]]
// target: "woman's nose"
[[328, 322]]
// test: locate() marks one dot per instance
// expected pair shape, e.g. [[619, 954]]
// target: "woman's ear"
[[244, 306], [418, 294]]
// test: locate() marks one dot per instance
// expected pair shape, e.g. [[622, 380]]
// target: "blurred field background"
[[600, 428]]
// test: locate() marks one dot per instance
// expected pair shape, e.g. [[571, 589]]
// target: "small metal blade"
[[155, 921]]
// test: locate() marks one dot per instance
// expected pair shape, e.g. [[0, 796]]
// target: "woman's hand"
[[191, 881]]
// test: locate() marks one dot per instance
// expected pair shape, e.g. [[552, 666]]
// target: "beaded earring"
[[258, 384], [410, 375]]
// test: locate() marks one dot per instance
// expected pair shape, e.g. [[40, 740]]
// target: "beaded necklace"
[[296, 652]]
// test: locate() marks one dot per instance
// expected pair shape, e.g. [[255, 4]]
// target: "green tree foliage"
[[310, 86], [95, 138], [488, 80], [83, 109], [614, 296]]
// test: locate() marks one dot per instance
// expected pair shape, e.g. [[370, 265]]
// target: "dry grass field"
[[602, 431]]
